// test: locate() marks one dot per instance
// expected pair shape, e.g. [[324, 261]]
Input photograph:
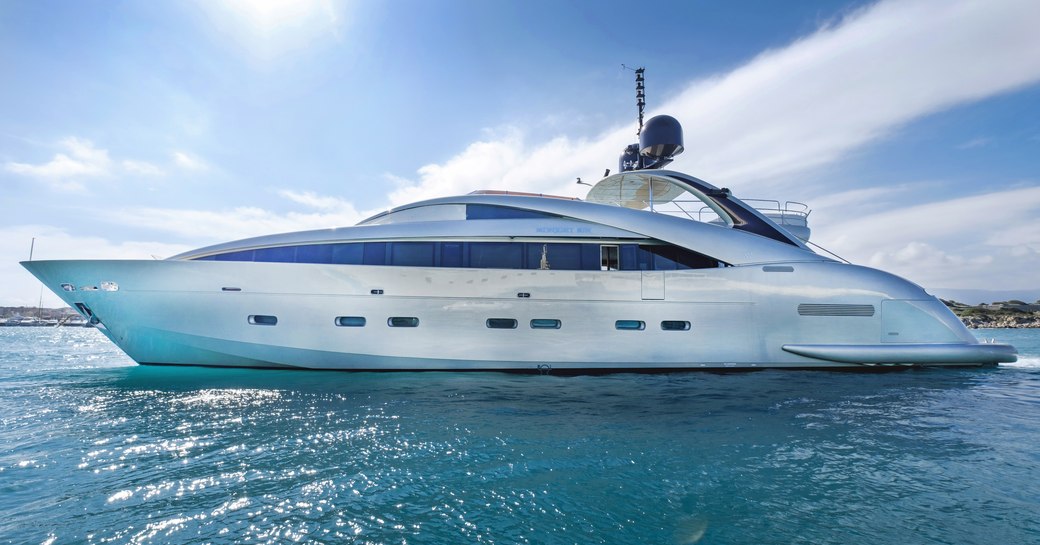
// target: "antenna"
[[640, 94]]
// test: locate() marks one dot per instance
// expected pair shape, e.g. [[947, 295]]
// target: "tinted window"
[[629, 259], [314, 253], [451, 254], [558, 256], [685, 259], [284, 254], [545, 323], [675, 325], [411, 254], [590, 257], [629, 324], [347, 254], [375, 253], [670, 258], [491, 212], [496, 255], [244, 255]]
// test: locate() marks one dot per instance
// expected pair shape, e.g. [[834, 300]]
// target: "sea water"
[[95, 449]]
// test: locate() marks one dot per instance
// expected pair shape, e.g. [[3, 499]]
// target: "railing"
[[792, 212]]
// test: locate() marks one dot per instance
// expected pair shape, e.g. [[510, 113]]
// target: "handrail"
[[789, 208]]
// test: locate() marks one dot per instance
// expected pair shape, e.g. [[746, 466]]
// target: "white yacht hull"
[[777, 316]]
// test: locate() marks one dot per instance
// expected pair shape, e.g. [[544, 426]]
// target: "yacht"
[[654, 270]]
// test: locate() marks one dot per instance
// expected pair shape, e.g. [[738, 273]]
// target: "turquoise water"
[[94, 449]]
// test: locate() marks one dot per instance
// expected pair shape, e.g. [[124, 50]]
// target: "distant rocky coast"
[[1013, 314]]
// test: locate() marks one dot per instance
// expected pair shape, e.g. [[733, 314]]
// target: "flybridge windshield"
[[657, 193], [676, 194]]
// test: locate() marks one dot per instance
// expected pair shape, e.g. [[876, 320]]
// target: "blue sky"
[[139, 129]]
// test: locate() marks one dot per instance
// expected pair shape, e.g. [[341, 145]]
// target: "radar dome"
[[629, 160], [661, 138]]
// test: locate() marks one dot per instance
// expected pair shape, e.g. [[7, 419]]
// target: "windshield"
[[662, 194]]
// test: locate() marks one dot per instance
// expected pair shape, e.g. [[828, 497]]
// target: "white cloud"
[[810, 104], [65, 171], [507, 161], [787, 111], [845, 86], [143, 168], [211, 226], [979, 142], [83, 160], [312, 200], [795, 108], [187, 161], [961, 242]]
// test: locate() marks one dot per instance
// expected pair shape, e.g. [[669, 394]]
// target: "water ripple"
[[98, 451]]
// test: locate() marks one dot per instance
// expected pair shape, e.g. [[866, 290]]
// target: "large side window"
[[496, 255], [243, 255], [670, 258], [281, 254], [554, 256], [492, 212], [347, 254], [314, 253], [451, 254], [411, 254], [564, 256], [375, 253]]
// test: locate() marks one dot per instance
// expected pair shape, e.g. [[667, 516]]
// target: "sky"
[[139, 130]]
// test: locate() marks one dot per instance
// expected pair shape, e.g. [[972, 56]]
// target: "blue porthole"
[[350, 321], [263, 319], [402, 321], [501, 323], [630, 325]]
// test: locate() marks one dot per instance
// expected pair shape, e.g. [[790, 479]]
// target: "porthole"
[[350, 321], [262, 319], [675, 325], [545, 323], [501, 323], [630, 325], [402, 321]]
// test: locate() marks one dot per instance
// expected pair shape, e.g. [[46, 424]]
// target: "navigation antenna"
[[640, 94], [658, 144]]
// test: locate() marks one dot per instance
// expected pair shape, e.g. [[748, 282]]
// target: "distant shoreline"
[[1001, 322], [1012, 314]]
